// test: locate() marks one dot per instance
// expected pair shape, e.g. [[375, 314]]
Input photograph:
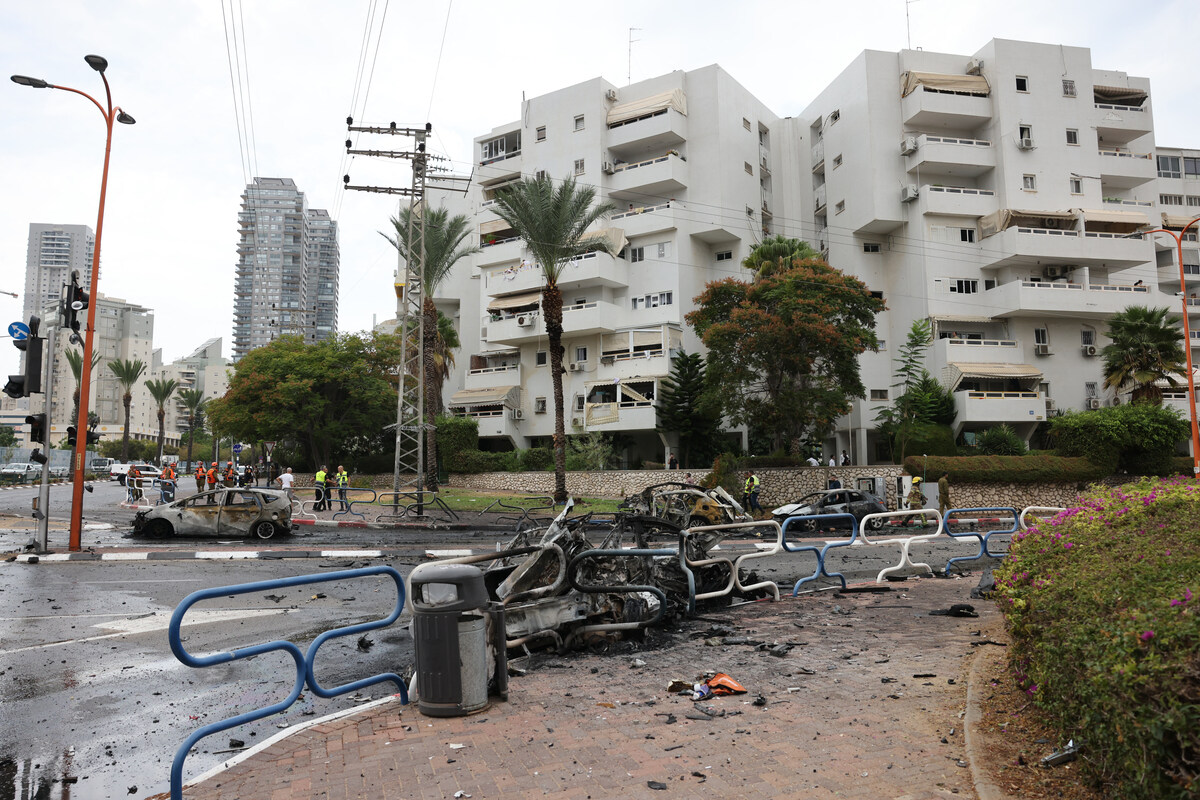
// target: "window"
[[541, 134], [1072, 136], [664, 249], [542, 358], [1191, 166], [835, 116], [837, 161], [749, 169], [1022, 83], [871, 247], [1076, 186], [1170, 199], [840, 207], [725, 255], [966, 235], [964, 286], [1068, 88], [539, 405], [1087, 336], [654, 300], [579, 166], [581, 354], [1089, 389], [878, 296], [879, 394], [1024, 131], [637, 254], [579, 402], [579, 122], [745, 123], [1029, 183], [1193, 201], [1041, 336], [1168, 167]]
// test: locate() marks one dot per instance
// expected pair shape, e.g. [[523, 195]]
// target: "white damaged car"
[[259, 513]]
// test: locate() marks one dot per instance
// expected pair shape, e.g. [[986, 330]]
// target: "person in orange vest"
[[230, 474], [212, 482], [166, 484], [133, 482], [201, 476]]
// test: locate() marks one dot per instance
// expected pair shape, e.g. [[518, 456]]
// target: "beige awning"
[[1136, 218], [1120, 95], [958, 370], [1007, 217], [969, 84], [493, 226], [515, 301], [648, 105], [495, 395], [1175, 220], [647, 338], [615, 237]]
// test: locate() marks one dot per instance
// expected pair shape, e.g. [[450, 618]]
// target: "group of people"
[[322, 482]]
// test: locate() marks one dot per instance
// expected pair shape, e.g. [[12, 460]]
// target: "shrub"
[[1008, 469], [1139, 438], [535, 459], [1102, 602], [653, 465], [478, 461], [456, 435], [1000, 440], [725, 474]]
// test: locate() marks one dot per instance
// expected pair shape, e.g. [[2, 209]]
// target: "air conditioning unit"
[[1041, 349], [1050, 404], [524, 321], [1055, 271], [577, 422], [606, 167], [576, 366], [909, 193], [1093, 403], [1089, 350], [611, 94], [975, 66], [608, 360], [1025, 144], [1116, 401], [908, 145], [517, 413]]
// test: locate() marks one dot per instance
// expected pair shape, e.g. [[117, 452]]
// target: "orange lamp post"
[[111, 114]]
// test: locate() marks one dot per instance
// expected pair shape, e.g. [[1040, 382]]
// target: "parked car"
[[833, 501], [150, 473], [260, 513], [21, 472]]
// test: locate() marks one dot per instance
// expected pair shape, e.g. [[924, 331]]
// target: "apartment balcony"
[[818, 156], [979, 409], [950, 156], [626, 416], [590, 269], [926, 108], [978, 351], [1121, 169], [643, 219], [662, 177], [650, 363], [1024, 246], [500, 251], [580, 320], [1063, 299], [651, 134], [497, 424], [1121, 123], [958, 201], [493, 377], [819, 198]]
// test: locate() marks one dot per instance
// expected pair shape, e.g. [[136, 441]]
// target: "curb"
[[406, 526], [972, 737]]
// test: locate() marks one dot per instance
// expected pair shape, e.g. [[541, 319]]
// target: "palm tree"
[[75, 359], [443, 247], [195, 401], [552, 221], [127, 373], [161, 391], [1146, 348]]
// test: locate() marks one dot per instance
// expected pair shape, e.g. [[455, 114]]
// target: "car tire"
[[696, 522], [158, 529], [808, 525], [263, 529], [121, 479], [875, 525]]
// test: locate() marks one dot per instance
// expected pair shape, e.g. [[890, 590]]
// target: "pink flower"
[[1147, 636]]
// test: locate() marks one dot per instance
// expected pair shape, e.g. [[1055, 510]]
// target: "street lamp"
[[110, 114], [1187, 342]]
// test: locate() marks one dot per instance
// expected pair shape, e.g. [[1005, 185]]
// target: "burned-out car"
[[686, 505], [833, 501], [259, 513]]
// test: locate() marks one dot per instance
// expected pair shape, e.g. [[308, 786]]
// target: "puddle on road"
[[57, 778]]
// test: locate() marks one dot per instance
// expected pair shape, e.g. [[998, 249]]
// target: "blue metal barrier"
[[304, 662], [348, 503], [821, 551], [982, 537]]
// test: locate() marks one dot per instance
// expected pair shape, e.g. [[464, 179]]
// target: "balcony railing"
[[1000, 395], [952, 140], [646, 163], [1113, 201], [493, 370], [1112, 107], [501, 157], [494, 242], [1124, 154], [962, 190], [641, 210], [983, 342]]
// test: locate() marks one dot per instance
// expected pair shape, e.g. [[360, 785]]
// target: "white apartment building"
[[202, 369], [994, 194], [54, 251]]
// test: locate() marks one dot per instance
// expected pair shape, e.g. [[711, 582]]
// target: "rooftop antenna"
[[629, 64], [907, 21]]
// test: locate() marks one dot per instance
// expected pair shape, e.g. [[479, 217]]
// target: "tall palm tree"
[[552, 220], [195, 401], [443, 247], [75, 359], [161, 391], [1146, 348], [127, 374]]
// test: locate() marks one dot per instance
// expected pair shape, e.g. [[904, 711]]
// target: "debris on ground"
[[956, 610], [1067, 754], [365, 643], [987, 585]]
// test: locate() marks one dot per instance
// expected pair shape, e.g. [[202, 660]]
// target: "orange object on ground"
[[723, 684]]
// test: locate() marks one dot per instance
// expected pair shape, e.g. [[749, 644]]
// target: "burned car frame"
[[259, 513], [686, 505]]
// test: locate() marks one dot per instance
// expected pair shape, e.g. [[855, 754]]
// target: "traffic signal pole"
[[41, 510]]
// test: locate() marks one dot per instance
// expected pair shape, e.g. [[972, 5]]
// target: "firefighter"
[[212, 482]]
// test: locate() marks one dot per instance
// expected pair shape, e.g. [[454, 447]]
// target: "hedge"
[[1007, 469]]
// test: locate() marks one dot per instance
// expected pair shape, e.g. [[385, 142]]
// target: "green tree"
[[684, 409], [161, 391], [127, 374], [333, 398], [922, 404], [8, 437], [442, 248], [195, 402], [590, 451], [1137, 438], [1146, 348], [784, 348], [552, 219], [1000, 440], [778, 252], [75, 360]]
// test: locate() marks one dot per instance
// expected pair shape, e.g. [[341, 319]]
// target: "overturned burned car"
[[686, 505]]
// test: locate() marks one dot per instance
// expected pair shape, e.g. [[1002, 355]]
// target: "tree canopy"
[[684, 409], [1146, 348], [784, 348], [922, 405], [332, 399]]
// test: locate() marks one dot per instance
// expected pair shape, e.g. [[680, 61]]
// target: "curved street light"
[[110, 114], [1187, 341]]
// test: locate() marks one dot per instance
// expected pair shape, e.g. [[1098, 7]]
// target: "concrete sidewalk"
[[868, 703]]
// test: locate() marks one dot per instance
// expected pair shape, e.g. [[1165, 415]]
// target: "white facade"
[[203, 369], [54, 252], [992, 193]]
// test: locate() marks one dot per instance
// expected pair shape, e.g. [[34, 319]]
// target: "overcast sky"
[[177, 175]]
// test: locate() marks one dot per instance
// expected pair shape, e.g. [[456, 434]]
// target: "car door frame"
[[231, 522]]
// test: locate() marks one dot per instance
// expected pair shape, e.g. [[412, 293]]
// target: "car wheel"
[[121, 479], [696, 522], [158, 529], [264, 529], [875, 524], [809, 525]]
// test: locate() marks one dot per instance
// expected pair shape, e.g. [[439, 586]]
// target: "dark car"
[[833, 501], [261, 513]]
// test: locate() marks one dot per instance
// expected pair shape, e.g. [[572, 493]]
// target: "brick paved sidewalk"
[[845, 716]]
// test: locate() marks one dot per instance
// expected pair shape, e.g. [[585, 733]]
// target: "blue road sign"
[[18, 330], [237, 448]]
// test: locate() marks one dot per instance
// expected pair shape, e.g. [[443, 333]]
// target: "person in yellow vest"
[[319, 482], [750, 493], [343, 480], [212, 482]]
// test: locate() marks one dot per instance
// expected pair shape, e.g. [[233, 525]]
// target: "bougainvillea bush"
[[1103, 604]]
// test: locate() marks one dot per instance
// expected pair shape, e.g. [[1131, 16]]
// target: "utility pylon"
[[410, 294]]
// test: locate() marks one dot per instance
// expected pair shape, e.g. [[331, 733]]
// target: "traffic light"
[[37, 435], [31, 381], [71, 435], [75, 299], [92, 437]]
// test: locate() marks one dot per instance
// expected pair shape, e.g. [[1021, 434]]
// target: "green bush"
[[1008, 469], [1000, 440], [456, 435], [653, 465], [535, 459], [932, 440], [1138, 438], [470, 461], [725, 474], [1106, 634]]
